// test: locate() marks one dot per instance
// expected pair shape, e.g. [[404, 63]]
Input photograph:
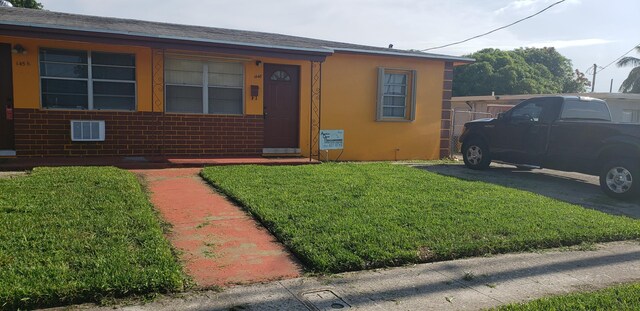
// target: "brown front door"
[[6, 98], [281, 106]]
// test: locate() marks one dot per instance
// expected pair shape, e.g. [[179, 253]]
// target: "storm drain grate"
[[324, 300]]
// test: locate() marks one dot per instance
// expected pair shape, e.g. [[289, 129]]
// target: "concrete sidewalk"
[[468, 284]]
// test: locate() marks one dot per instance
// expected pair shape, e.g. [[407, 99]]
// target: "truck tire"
[[620, 179], [475, 154]]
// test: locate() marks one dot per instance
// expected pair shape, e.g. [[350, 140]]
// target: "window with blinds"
[[208, 87], [396, 95]]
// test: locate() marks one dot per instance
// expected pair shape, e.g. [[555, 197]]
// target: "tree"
[[521, 71], [560, 66], [632, 83], [29, 4]]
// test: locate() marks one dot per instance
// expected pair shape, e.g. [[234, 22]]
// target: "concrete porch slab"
[[148, 162]]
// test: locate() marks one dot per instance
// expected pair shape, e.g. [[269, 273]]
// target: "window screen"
[[396, 94], [183, 80], [64, 79], [225, 88], [67, 76], [194, 86], [114, 81]]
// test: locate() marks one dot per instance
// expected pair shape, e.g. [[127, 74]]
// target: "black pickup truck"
[[567, 133]]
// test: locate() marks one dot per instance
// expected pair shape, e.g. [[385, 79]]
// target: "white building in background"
[[625, 107]]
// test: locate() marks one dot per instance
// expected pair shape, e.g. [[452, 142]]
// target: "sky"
[[586, 31]]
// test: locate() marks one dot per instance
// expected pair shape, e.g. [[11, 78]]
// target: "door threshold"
[[7, 153], [281, 155]]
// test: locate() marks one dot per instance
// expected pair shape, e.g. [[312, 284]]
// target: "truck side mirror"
[[501, 116]]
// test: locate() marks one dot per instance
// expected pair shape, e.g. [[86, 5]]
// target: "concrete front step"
[[148, 162]]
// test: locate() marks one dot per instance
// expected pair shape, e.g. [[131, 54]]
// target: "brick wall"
[[445, 125], [47, 133]]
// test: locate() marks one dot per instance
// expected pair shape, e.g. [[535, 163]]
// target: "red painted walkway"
[[220, 243]]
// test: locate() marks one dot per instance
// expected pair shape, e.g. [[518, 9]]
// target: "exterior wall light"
[[18, 49]]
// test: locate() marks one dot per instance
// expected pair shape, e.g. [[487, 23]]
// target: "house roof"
[[29, 20]]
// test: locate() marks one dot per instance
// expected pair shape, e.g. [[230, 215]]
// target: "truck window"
[[541, 110], [585, 109], [551, 109], [529, 112]]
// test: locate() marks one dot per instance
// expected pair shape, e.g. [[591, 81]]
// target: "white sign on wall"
[[331, 139]]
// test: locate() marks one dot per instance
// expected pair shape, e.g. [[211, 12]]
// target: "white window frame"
[[90, 79], [410, 95], [634, 115], [205, 88]]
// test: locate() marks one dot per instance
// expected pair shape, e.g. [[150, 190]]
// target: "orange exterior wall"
[[26, 76], [349, 95], [254, 75], [27, 80]]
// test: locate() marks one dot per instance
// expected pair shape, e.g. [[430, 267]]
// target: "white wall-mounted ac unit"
[[82, 130]]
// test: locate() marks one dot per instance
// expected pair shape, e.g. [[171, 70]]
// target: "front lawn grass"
[[346, 216], [620, 298], [71, 235]]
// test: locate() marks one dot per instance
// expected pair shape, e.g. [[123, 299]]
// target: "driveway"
[[570, 187]]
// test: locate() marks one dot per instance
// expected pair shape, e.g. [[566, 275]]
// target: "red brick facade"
[[48, 133], [445, 126]]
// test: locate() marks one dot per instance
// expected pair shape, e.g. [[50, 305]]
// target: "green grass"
[[71, 235], [345, 216], [620, 298]]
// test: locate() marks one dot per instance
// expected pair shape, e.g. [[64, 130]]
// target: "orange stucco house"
[[75, 85]]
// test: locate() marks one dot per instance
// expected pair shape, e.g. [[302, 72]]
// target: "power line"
[[492, 31], [594, 70], [621, 56], [589, 70]]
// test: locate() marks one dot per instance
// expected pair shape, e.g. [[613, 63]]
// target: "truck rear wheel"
[[475, 154], [620, 179]]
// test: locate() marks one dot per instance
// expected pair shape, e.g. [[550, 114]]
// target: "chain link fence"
[[458, 119]]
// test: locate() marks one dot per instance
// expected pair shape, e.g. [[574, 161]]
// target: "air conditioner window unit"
[[82, 130]]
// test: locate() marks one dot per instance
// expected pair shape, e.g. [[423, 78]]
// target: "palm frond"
[[628, 61], [632, 83]]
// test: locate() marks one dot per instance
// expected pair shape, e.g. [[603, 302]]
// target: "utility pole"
[[611, 86], [593, 82]]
